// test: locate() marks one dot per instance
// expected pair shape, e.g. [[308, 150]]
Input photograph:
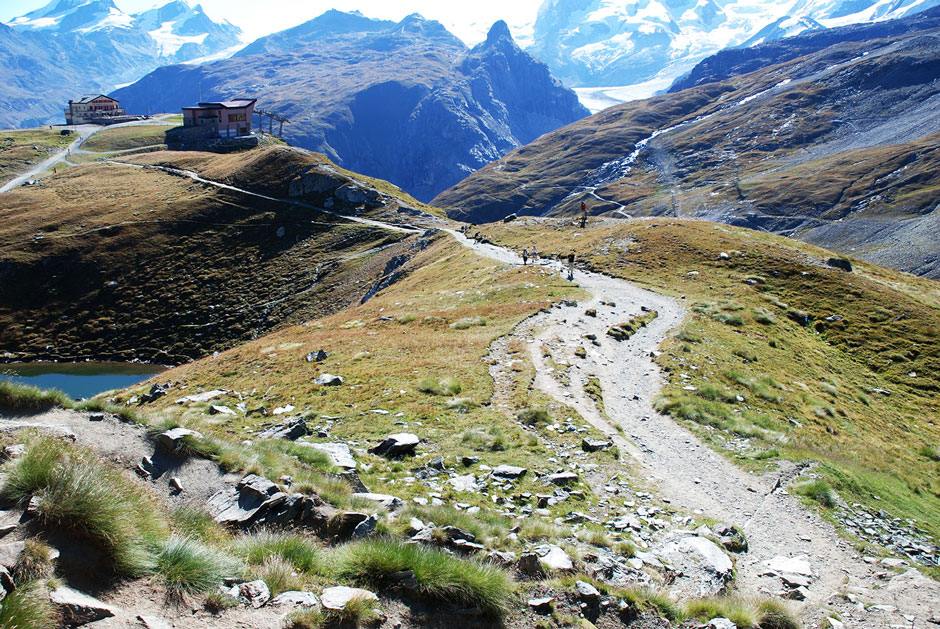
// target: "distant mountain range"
[[605, 43], [73, 47], [838, 145], [407, 101]]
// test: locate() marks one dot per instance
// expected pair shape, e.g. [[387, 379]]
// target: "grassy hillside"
[[114, 261], [787, 357], [21, 149], [125, 138]]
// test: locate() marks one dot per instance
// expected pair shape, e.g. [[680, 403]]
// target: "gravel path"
[[693, 477]]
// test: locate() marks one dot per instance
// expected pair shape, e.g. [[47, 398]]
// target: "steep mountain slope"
[[607, 43], [836, 147], [419, 109], [204, 267], [72, 47], [748, 58]]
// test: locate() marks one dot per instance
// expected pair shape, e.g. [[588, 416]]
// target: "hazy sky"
[[469, 20]]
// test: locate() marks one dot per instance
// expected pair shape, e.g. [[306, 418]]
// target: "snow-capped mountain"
[[97, 47], [602, 43]]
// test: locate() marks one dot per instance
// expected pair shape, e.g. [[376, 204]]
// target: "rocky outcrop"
[[256, 501]]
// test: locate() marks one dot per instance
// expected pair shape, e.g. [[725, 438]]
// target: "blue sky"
[[467, 20]]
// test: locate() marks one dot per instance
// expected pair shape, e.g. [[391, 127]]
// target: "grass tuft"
[[818, 490], [21, 398], [28, 606], [440, 576], [534, 416], [35, 562], [187, 567], [300, 552]]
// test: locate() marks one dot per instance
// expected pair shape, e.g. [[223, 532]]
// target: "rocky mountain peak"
[[499, 31]]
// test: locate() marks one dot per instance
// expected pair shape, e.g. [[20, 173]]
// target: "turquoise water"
[[79, 380]]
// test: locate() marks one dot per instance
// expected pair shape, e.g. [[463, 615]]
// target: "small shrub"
[[732, 319], [493, 441], [625, 549], [408, 318], [653, 600], [713, 393], [28, 606], [532, 529], [358, 612], [196, 522], [818, 490], [450, 386], [745, 353], [21, 398], [187, 567], [462, 404], [690, 336], [317, 459], [534, 416], [440, 576]]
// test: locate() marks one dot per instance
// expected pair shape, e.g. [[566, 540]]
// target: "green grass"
[[440, 576], [279, 575], [123, 138], [744, 612], [186, 566], [445, 386], [651, 599], [35, 562], [28, 607], [358, 612], [492, 440], [84, 496], [818, 490], [484, 525], [301, 552], [468, 322], [534, 416]]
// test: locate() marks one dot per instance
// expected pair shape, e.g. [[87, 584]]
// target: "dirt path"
[[691, 475]]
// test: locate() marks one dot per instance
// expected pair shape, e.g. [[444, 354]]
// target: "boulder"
[[317, 356], [76, 608], [10, 553], [587, 592], [352, 525], [705, 569], [218, 409], [594, 445], [541, 605], [172, 439], [254, 593], [258, 501], [840, 263], [338, 452], [291, 429], [510, 472], [328, 380], [454, 533], [295, 599], [397, 445], [530, 565], [790, 565], [338, 596], [721, 623], [314, 182], [554, 557]]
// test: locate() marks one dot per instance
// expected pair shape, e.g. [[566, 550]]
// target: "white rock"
[[338, 452], [554, 557], [791, 565], [337, 597], [464, 483], [205, 396], [721, 623], [295, 599]]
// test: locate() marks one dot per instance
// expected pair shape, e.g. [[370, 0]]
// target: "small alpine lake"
[[79, 380]]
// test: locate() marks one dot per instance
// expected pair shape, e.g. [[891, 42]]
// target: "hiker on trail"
[[583, 214], [525, 257], [535, 253], [571, 266]]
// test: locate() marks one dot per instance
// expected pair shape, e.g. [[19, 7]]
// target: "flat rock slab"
[[337, 597], [561, 478], [790, 565], [295, 599], [329, 380], [76, 608], [339, 453], [509, 471], [172, 439], [290, 429], [10, 553], [467, 482]]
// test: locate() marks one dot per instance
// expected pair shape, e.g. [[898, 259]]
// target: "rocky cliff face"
[[408, 102]]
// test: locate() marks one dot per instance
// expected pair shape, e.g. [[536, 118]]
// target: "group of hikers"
[[534, 253]]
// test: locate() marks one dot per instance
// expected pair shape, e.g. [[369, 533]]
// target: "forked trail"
[[691, 475]]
